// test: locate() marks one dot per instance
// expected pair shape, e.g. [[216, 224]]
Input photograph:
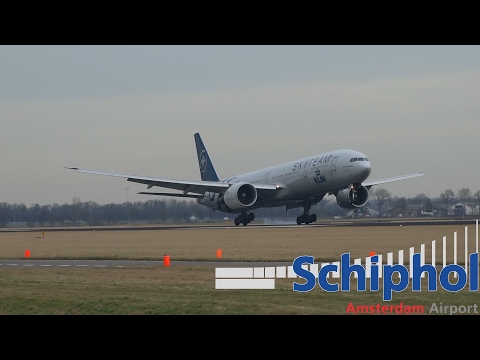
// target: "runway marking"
[[45, 265], [12, 264], [63, 265]]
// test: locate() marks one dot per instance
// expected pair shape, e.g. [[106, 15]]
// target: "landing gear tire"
[[307, 219], [244, 218]]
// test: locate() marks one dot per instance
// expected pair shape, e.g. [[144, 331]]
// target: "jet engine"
[[240, 196], [352, 198]]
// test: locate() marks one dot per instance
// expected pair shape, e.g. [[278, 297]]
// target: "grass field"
[[190, 290]]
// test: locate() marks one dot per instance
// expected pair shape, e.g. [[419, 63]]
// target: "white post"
[[476, 247], [422, 254], [358, 262], [444, 252], [411, 261], [368, 267], [455, 251], [466, 251], [434, 260], [422, 258], [336, 274], [400, 259], [380, 266], [322, 265]]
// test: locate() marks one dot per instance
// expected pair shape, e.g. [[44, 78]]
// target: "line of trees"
[[177, 211], [383, 199], [158, 211], [79, 212]]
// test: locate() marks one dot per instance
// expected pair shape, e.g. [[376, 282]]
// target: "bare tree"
[[464, 194], [477, 196], [420, 198], [446, 196], [381, 197]]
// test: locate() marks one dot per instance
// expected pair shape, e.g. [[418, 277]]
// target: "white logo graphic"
[[202, 159]]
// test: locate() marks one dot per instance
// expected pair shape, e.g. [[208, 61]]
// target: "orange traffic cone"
[[166, 260]]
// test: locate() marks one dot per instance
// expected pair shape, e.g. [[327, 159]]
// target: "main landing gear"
[[306, 217], [244, 218]]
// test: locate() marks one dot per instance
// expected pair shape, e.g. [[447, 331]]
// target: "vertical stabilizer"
[[207, 172]]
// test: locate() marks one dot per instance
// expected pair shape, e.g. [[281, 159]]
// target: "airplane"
[[298, 183]]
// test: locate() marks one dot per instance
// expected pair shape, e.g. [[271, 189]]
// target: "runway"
[[49, 264], [273, 224]]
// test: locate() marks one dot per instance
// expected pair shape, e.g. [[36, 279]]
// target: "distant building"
[[460, 209], [363, 212], [413, 210]]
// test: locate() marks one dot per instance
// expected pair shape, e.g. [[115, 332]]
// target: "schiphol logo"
[[313, 274], [389, 286]]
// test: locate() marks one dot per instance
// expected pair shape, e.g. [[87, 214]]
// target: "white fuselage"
[[309, 177]]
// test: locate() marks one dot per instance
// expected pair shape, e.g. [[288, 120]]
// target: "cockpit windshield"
[[358, 159]]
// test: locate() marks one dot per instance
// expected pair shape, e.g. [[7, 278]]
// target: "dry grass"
[[237, 244], [182, 290], [190, 290]]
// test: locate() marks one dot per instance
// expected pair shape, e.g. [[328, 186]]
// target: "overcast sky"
[[134, 110]]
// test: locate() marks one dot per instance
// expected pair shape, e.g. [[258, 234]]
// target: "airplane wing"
[[186, 186], [192, 196], [370, 183]]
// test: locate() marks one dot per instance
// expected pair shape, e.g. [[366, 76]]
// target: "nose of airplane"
[[362, 170]]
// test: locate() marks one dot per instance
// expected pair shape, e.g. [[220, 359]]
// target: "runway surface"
[[49, 264], [343, 222]]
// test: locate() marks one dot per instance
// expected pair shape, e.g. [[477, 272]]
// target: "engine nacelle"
[[240, 196], [352, 198]]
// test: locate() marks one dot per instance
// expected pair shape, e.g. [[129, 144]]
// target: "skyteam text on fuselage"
[[299, 183]]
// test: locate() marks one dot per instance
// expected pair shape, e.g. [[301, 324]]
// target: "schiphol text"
[[389, 286]]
